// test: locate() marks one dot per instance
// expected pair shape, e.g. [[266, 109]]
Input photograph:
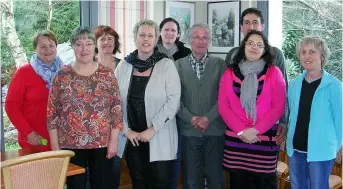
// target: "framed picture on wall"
[[223, 19], [183, 12]]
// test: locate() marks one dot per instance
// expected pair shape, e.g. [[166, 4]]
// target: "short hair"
[[81, 31], [240, 54], [46, 33], [145, 22], [103, 30], [319, 44], [255, 11], [195, 26], [169, 19]]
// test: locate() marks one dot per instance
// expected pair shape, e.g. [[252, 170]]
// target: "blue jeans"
[[177, 163], [308, 175]]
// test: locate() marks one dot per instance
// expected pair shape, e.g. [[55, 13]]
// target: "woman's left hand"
[[147, 135], [112, 149], [249, 135]]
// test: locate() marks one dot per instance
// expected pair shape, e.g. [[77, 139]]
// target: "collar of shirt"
[[203, 59]]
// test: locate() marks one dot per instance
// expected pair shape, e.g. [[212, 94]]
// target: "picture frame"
[[183, 12], [223, 20]]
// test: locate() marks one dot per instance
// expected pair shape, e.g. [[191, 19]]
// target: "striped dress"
[[260, 157]]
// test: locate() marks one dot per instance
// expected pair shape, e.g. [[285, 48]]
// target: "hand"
[[249, 135], [147, 135], [34, 139], [55, 147], [112, 148], [256, 139], [194, 120], [132, 136], [203, 123], [280, 134]]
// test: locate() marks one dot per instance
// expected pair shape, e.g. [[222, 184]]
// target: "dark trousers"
[[100, 169], [116, 169], [116, 172], [145, 174], [177, 163], [244, 180], [202, 155]]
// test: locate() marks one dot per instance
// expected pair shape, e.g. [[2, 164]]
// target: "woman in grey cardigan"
[[150, 90]]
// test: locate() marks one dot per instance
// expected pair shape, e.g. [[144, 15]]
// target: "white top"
[[162, 101]]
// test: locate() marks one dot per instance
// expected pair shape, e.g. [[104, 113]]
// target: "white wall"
[[158, 12], [275, 32]]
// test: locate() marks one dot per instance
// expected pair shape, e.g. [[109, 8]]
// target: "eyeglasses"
[[81, 45], [253, 44], [197, 38]]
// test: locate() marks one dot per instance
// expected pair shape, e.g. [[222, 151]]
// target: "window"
[[122, 17], [22, 20], [306, 17]]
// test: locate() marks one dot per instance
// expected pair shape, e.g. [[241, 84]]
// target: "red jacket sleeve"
[[14, 102], [278, 95], [224, 108]]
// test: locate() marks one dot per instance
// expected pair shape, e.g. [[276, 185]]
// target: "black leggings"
[[244, 180], [146, 174], [100, 169]]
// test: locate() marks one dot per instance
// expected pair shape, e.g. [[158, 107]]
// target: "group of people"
[[165, 102]]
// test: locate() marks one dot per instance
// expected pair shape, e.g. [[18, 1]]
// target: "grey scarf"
[[250, 85], [169, 52]]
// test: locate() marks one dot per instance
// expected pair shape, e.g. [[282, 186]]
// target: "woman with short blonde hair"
[[315, 129], [150, 92]]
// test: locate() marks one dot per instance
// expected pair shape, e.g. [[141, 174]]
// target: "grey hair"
[[318, 44], [82, 31], [145, 22], [196, 26]]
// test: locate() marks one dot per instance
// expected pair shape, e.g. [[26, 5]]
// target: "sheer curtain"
[[122, 17]]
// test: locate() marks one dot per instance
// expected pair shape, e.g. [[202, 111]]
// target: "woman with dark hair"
[[107, 46], [168, 42], [251, 101]]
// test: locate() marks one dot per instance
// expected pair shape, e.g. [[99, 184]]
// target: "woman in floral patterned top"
[[84, 113]]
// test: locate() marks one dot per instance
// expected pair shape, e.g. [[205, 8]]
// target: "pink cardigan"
[[270, 104]]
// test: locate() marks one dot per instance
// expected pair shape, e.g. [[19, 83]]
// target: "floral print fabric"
[[84, 109]]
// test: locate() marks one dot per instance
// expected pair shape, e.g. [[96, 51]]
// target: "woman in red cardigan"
[[251, 100], [26, 101]]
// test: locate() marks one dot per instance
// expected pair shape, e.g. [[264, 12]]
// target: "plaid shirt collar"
[[192, 59], [198, 65]]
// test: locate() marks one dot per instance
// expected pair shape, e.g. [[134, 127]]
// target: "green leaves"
[[30, 17], [307, 17]]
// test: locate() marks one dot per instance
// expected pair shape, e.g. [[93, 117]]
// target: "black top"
[[300, 139], [135, 103], [117, 61], [182, 51]]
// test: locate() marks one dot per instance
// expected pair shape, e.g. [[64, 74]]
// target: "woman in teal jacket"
[[315, 126]]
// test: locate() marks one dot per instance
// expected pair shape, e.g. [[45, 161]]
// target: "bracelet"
[[240, 133]]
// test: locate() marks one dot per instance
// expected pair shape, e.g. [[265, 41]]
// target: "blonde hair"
[[318, 43], [145, 22]]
